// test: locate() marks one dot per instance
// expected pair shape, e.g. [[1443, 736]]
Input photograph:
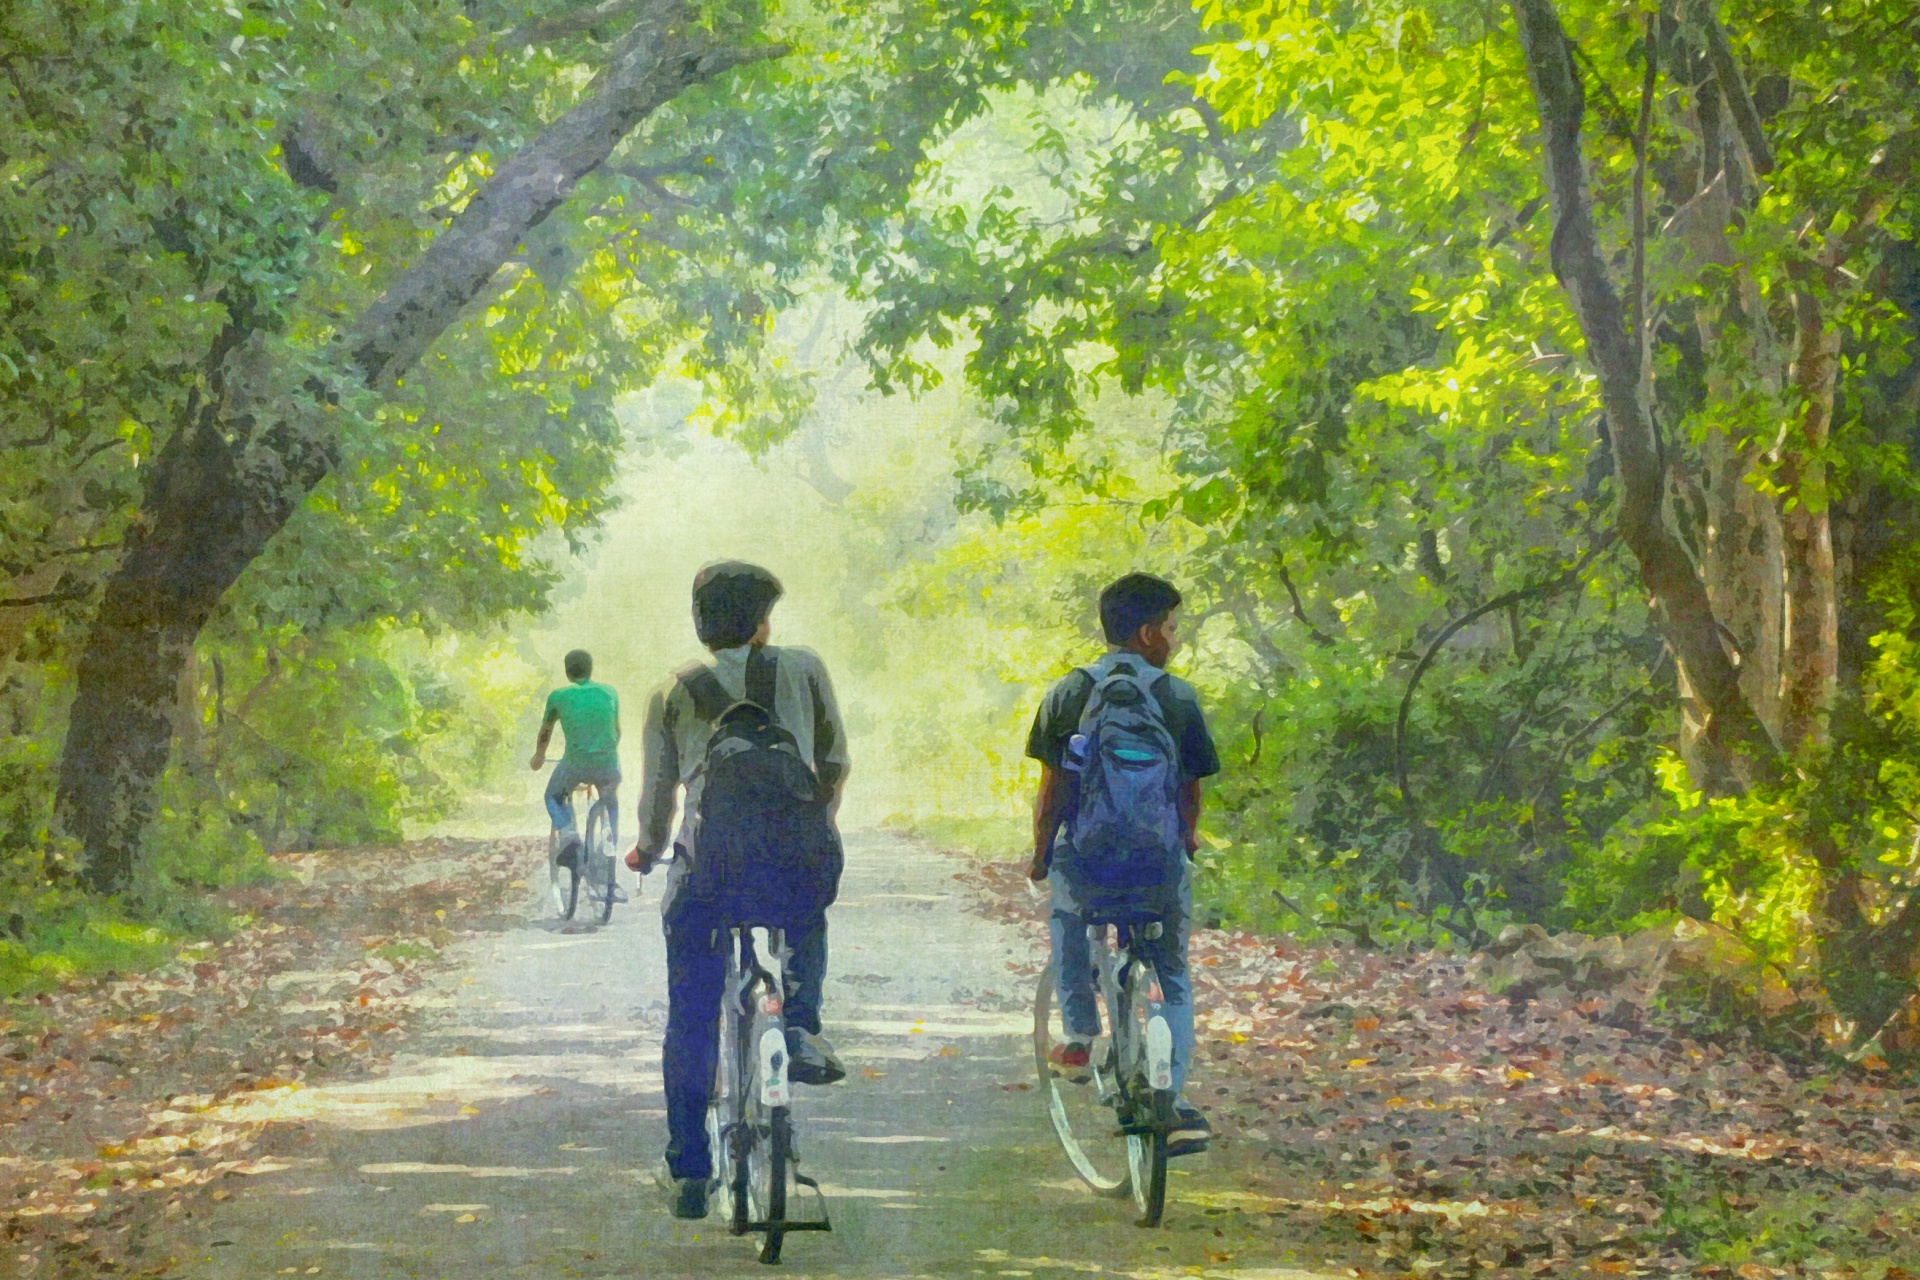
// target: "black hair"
[[731, 598], [579, 664], [1135, 601]]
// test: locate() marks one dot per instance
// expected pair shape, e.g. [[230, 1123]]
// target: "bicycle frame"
[[1143, 1045], [1131, 1075], [757, 1096]]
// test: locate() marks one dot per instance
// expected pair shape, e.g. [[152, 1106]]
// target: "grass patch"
[[1712, 1218], [76, 939], [396, 952]]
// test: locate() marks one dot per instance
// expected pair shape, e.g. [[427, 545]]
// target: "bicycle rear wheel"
[[597, 853], [769, 1164], [1149, 1110], [1147, 1158], [1083, 1115], [563, 881]]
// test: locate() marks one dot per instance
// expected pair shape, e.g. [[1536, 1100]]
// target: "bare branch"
[[1733, 87], [1553, 586], [59, 595], [1318, 636]]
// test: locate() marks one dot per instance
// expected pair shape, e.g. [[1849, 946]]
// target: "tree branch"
[[1611, 710], [1318, 636], [1551, 587], [1647, 85], [1733, 88], [559, 26], [660, 58], [59, 595]]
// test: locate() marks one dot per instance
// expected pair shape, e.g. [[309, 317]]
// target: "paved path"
[[522, 1136]]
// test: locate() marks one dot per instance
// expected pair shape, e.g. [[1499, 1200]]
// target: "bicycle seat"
[[1149, 927]]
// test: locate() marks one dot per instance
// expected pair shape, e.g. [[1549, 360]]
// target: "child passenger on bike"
[[588, 713], [731, 604], [1139, 616]]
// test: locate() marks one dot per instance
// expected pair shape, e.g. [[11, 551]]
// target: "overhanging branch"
[[1551, 587]]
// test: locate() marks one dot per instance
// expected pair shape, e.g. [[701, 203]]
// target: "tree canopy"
[[1524, 395]]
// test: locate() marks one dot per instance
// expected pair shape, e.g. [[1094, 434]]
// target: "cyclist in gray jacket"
[[732, 602]]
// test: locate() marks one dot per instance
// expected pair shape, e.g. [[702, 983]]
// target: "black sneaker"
[[810, 1059], [1191, 1134], [569, 855], [686, 1197]]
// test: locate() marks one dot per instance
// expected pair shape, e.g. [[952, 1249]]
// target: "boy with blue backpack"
[[1123, 747]]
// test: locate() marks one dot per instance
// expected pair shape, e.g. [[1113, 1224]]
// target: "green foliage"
[[1258, 295]]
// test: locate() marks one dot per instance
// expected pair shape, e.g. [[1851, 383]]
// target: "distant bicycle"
[[593, 868], [1113, 1121], [750, 1118]]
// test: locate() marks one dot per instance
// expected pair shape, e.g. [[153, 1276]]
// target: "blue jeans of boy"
[[569, 774], [696, 972], [1073, 966]]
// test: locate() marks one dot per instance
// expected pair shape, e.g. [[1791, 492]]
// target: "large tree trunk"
[[252, 446], [1734, 747], [1767, 552], [1810, 667]]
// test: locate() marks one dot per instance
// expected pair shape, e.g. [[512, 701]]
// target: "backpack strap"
[[710, 697], [761, 670]]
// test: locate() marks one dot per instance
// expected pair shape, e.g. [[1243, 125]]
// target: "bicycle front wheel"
[[1082, 1114], [597, 853]]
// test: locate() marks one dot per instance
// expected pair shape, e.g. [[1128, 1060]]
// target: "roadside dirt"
[[402, 1066], [117, 1110]]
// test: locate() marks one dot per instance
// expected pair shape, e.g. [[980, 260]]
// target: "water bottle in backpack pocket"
[[1124, 830]]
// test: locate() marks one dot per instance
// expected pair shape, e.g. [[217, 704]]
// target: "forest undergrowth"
[[1393, 1117]]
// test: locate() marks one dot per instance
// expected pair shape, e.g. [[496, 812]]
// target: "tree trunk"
[[1810, 666], [253, 445], [1767, 551], [1734, 748]]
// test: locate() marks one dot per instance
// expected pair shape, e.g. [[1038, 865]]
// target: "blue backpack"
[[1124, 828]]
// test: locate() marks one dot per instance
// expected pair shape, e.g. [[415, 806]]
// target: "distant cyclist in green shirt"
[[589, 715]]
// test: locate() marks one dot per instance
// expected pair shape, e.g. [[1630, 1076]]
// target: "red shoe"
[[1071, 1061]]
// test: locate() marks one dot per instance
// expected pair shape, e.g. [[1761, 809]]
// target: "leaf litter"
[[117, 1090], [1385, 1115]]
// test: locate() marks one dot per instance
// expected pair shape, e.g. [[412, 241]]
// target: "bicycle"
[[594, 863], [750, 1117], [1113, 1123]]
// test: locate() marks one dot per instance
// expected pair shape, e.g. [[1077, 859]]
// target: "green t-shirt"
[[589, 715]]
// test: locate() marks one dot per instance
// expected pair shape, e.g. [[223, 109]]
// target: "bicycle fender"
[[774, 1090], [1159, 1052]]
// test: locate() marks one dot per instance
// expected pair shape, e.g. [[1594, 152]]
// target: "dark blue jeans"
[[696, 971]]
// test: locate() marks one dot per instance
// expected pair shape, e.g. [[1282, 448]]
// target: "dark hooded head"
[[731, 598]]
